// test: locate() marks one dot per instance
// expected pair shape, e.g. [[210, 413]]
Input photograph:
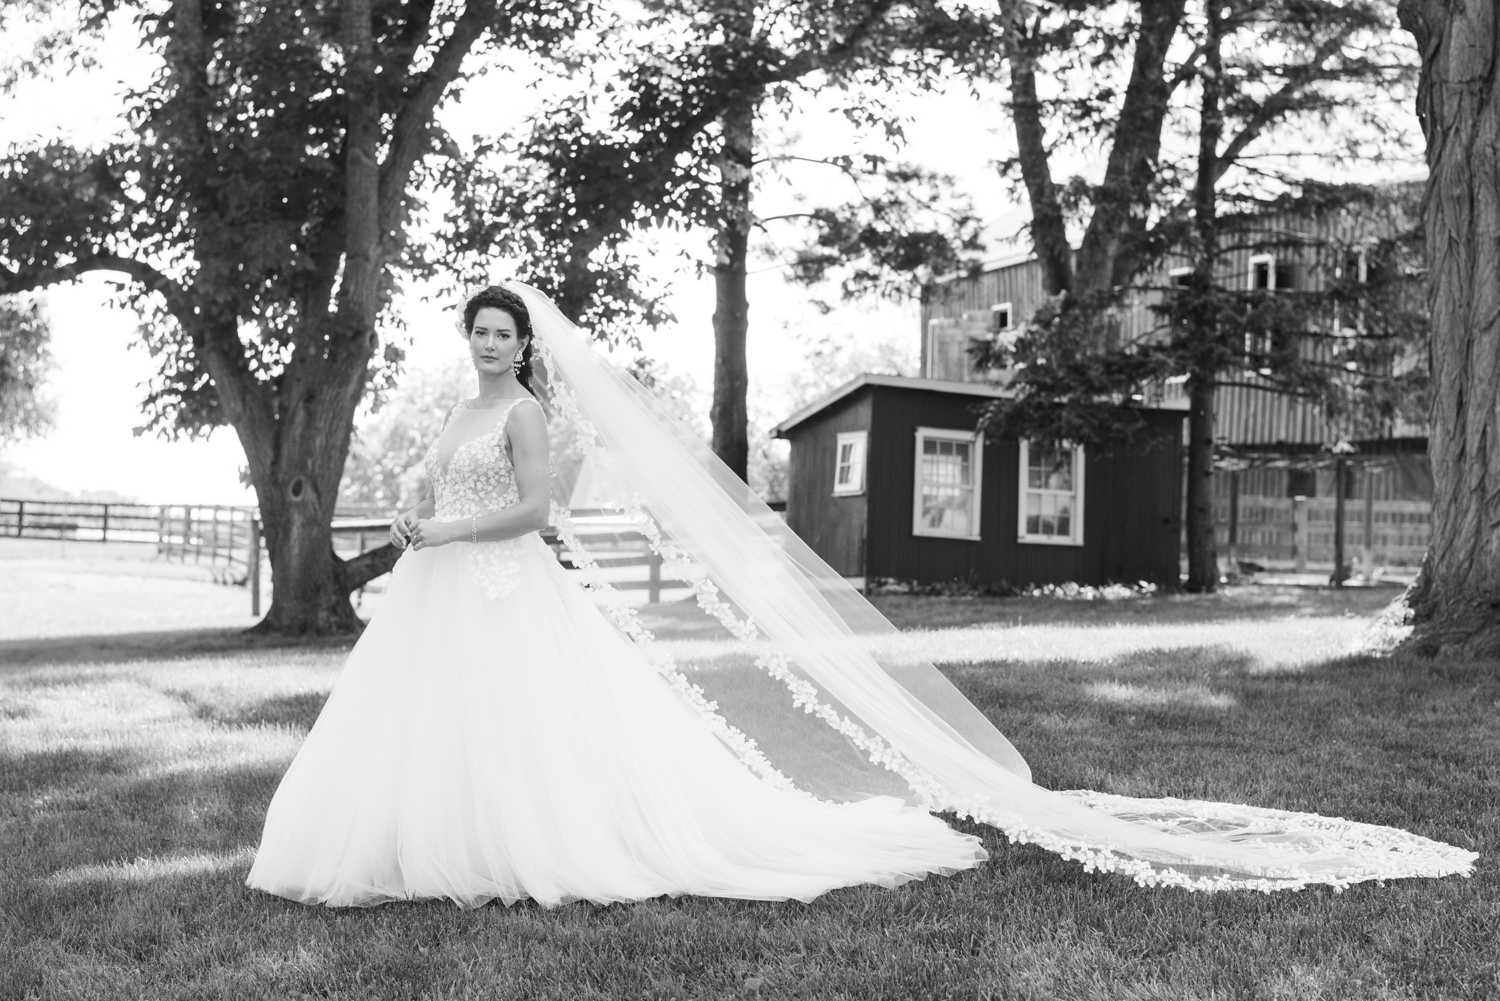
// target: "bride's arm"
[[527, 430]]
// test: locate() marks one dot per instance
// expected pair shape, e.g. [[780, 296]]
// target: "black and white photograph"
[[750, 499]]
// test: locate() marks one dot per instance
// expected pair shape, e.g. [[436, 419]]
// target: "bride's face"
[[493, 341]]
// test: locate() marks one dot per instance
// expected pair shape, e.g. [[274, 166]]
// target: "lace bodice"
[[477, 477]]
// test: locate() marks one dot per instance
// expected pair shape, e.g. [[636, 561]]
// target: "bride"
[[503, 731]]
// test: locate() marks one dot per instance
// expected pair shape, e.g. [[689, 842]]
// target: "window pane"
[[1049, 468], [947, 486], [1050, 494]]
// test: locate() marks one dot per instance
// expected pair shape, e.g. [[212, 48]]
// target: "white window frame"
[[1010, 317], [1269, 260], [1177, 273], [932, 344], [860, 443], [976, 475], [1075, 536]]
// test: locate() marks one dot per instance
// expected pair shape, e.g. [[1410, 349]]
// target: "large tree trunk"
[[1203, 557], [729, 415], [297, 490], [1457, 600], [1203, 560], [297, 480]]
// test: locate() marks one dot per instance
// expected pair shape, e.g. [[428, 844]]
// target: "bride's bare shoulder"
[[527, 421]]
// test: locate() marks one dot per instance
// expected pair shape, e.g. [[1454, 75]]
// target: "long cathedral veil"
[[812, 694]]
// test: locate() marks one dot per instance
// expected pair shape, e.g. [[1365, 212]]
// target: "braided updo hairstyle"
[[501, 298]]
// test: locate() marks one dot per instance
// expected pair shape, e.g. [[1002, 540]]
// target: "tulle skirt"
[[494, 737]]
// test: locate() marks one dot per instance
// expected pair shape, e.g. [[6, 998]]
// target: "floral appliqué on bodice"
[[478, 480]]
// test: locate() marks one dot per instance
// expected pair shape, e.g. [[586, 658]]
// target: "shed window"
[[1181, 276], [1051, 501], [946, 503], [849, 468]]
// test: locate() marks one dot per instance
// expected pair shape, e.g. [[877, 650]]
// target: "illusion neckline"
[[464, 404], [443, 468]]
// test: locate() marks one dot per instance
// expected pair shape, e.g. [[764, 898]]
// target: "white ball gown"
[[493, 736]]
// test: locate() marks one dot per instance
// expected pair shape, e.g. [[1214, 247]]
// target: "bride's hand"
[[401, 528], [430, 532]]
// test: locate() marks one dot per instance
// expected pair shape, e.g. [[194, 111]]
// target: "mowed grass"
[[134, 775]]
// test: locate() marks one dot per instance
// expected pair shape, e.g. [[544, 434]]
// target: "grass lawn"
[[135, 769]]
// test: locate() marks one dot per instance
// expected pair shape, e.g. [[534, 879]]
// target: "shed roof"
[[900, 381]]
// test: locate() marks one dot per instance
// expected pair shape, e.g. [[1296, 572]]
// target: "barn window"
[[1266, 272], [1051, 501], [1181, 276], [1263, 271], [947, 483], [1002, 318], [849, 469]]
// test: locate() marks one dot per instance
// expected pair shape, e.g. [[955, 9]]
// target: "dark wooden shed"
[[889, 479]]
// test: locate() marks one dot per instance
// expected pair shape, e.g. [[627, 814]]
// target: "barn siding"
[[833, 526], [1131, 513], [1245, 415]]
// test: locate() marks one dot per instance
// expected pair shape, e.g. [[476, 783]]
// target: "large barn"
[[889, 479]]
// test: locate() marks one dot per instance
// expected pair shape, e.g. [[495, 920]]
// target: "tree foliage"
[[25, 364], [666, 140], [905, 226]]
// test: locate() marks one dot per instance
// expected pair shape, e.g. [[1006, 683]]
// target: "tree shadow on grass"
[[1242, 603], [1390, 741], [125, 647], [101, 860], [78, 807], [298, 711]]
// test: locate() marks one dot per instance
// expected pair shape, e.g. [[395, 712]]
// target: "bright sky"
[[99, 377]]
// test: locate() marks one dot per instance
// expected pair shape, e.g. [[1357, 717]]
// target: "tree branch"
[[409, 132], [12, 281], [1049, 234], [1278, 103], [357, 571], [190, 72], [1105, 256]]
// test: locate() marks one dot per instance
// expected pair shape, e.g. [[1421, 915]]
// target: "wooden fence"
[[219, 537], [215, 535], [612, 545], [1297, 532]]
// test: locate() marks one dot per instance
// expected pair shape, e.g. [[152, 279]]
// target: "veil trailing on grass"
[[812, 693]]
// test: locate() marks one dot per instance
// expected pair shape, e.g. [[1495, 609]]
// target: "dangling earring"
[[518, 361]]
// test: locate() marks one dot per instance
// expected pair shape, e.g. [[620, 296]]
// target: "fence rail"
[[220, 537], [217, 535], [1299, 531]]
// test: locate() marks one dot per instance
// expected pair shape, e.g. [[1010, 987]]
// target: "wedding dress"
[[505, 729], [494, 736]]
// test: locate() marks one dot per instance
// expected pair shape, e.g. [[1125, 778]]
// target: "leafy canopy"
[[226, 199]]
